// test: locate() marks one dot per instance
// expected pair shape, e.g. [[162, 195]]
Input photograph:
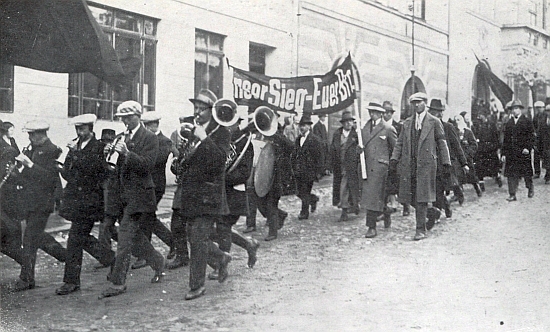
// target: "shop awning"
[[56, 36]]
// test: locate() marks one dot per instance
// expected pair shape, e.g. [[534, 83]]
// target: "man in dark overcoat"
[[82, 202], [415, 159], [343, 150], [486, 160], [320, 130], [307, 165], [544, 143], [203, 196], [38, 179], [138, 151], [538, 119], [519, 136]]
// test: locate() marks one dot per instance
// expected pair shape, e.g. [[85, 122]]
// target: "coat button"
[[79, 188]]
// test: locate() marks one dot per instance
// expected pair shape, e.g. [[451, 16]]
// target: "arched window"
[[408, 90]]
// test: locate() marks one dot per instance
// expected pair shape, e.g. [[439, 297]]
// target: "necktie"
[[127, 137]]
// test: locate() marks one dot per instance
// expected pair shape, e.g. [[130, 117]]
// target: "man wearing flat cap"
[[82, 202], [38, 179], [379, 139], [138, 149], [422, 138], [150, 223], [519, 136], [307, 165], [343, 150], [203, 197]]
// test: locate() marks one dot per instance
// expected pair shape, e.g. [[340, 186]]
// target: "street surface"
[[485, 269]]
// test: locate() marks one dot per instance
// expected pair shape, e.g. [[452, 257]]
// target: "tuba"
[[224, 112], [265, 120]]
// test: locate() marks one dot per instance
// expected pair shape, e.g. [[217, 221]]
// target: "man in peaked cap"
[[307, 165], [38, 179], [379, 138], [151, 121], [343, 150], [538, 118], [516, 151], [422, 137], [138, 149], [82, 202]]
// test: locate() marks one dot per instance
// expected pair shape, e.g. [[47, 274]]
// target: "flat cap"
[[36, 125], [150, 117], [129, 107], [83, 119], [205, 96], [539, 104], [418, 96]]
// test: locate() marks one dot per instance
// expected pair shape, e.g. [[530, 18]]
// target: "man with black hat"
[[203, 197], [137, 148], [459, 163], [308, 165], [422, 138], [343, 150], [518, 141], [38, 179], [150, 223], [379, 139], [82, 202]]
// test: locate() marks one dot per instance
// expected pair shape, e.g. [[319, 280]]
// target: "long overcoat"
[[516, 138], [308, 159], [84, 172], [347, 162], [469, 145], [431, 147], [378, 145], [457, 155], [486, 159]]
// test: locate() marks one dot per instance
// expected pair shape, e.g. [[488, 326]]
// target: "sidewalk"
[[57, 224]]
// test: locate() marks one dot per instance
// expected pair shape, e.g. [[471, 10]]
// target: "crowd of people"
[[220, 165]]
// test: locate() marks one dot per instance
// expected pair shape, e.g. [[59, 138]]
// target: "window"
[[533, 18], [535, 39], [6, 88], [545, 44], [256, 58], [418, 9], [209, 62], [134, 40]]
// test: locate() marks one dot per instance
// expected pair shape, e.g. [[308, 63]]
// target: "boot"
[[304, 213], [344, 215], [478, 190], [482, 185], [179, 261]]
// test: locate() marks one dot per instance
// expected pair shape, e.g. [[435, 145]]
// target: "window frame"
[[209, 52]]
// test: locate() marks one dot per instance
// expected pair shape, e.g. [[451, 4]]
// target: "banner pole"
[[357, 109]]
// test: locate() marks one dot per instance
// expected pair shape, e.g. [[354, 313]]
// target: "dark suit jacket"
[[308, 158], [320, 130], [39, 181], [85, 173], [398, 126], [237, 199], [348, 162], [516, 138], [203, 184], [135, 183], [4, 144], [159, 171]]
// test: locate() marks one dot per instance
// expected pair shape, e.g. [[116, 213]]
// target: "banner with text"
[[319, 94]]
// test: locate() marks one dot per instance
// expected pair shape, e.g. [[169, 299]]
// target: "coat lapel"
[[372, 134], [427, 125]]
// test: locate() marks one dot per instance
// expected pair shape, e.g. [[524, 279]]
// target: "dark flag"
[[501, 90]]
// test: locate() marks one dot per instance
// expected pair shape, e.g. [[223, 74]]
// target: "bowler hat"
[[418, 97], [436, 104], [129, 107], [205, 96], [305, 119], [346, 116], [376, 107], [516, 103]]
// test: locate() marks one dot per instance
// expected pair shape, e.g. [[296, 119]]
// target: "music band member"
[[137, 148], [203, 198], [307, 165], [82, 202], [38, 179], [379, 139]]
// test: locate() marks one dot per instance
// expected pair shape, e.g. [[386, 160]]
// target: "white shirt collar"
[[420, 118]]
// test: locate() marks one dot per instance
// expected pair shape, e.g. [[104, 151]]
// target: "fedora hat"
[[205, 96], [516, 103], [388, 106], [305, 119], [436, 104], [346, 116], [376, 107]]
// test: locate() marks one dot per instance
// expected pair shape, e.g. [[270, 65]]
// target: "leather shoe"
[[223, 273], [67, 289], [159, 275], [140, 263], [250, 229], [304, 215], [21, 285], [433, 215], [448, 212], [314, 204], [214, 275], [499, 181], [343, 216], [531, 192], [112, 291], [270, 237], [512, 198], [195, 293], [178, 262], [420, 236], [387, 220], [355, 210], [252, 253], [282, 220], [371, 232]]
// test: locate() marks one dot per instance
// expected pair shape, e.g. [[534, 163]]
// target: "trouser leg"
[[251, 198], [440, 198], [179, 228], [36, 223], [107, 231], [421, 214], [223, 231], [203, 250], [372, 218], [536, 160], [152, 225], [344, 193], [528, 182], [53, 248], [240, 240], [10, 231], [513, 183]]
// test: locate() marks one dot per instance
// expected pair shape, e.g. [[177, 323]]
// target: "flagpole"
[[357, 109]]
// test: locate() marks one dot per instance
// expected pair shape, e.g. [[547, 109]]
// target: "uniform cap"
[[36, 125], [83, 119], [205, 96], [150, 117], [129, 107], [418, 96], [539, 104]]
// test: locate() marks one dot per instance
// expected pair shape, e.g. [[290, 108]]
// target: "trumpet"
[[112, 155], [70, 145]]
